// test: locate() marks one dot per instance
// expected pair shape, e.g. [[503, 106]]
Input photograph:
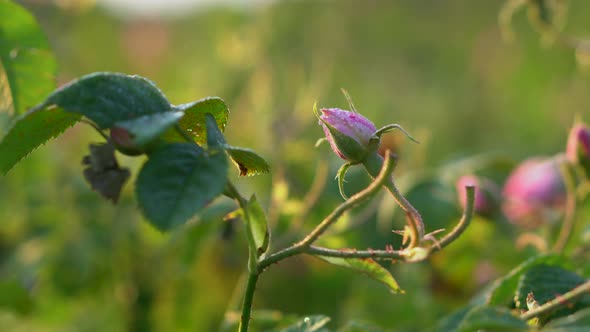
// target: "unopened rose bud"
[[486, 193], [348, 133], [535, 194], [578, 147], [123, 142]]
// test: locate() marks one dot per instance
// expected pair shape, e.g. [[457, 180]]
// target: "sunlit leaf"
[[194, 119], [368, 267], [177, 181], [248, 162], [27, 67]]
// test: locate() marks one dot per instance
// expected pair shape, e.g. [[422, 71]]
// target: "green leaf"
[[14, 296], [215, 139], [147, 128], [578, 322], [30, 131], [355, 326], [194, 119], [27, 66], [108, 98], [248, 162], [308, 324], [546, 283], [503, 290], [491, 319], [257, 227], [452, 321], [177, 181], [368, 267]]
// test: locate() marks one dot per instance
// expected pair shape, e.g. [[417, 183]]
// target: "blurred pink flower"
[[486, 193], [339, 125], [578, 147], [535, 194]]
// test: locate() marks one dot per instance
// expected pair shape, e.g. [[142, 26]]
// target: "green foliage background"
[[438, 68]]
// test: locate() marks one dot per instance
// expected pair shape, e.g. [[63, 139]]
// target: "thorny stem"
[[383, 178], [558, 301], [414, 219]]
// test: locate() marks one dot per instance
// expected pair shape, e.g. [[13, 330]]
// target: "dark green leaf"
[[503, 290], [103, 171], [546, 283], [308, 324], [578, 322], [177, 181], [258, 231], [147, 128], [248, 162], [368, 267], [108, 98], [194, 120], [215, 139], [14, 296], [451, 322], [27, 67], [29, 132], [491, 319]]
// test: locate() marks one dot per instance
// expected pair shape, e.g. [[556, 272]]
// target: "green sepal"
[[340, 177]]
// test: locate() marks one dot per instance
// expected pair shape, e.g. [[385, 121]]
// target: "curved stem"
[[463, 223], [415, 225], [382, 178]]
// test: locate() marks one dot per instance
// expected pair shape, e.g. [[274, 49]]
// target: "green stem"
[[382, 177], [248, 299], [569, 217], [558, 301], [463, 223], [373, 164]]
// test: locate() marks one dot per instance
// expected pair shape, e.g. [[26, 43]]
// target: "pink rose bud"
[[578, 147], [486, 193], [123, 142], [535, 194], [348, 133]]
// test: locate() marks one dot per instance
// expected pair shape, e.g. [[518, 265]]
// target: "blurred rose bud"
[[578, 147], [487, 193], [123, 142], [535, 194], [348, 133]]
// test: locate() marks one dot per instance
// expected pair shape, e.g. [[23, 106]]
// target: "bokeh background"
[[70, 261]]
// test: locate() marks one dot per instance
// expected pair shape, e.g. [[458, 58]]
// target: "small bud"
[[123, 142], [534, 194], [347, 132], [486, 193], [578, 147]]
